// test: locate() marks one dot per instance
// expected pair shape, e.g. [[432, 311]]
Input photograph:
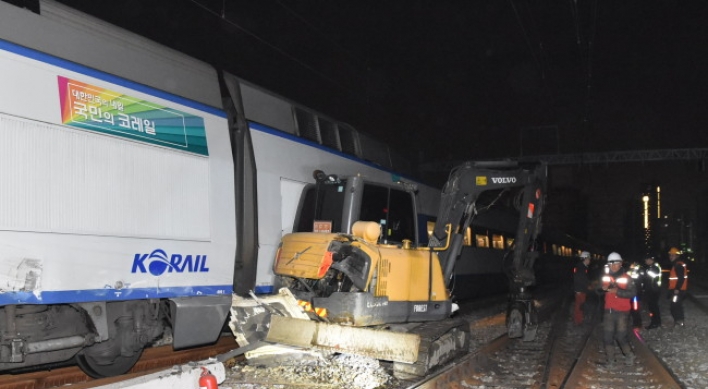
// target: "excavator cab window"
[[321, 202], [393, 209]]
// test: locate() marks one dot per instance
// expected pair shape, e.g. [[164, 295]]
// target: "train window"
[[509, 242], [307, 125], [329, 134], [467, 241], [391, 208], [482, 240], [321, 202], [430, 227], [498, 241], [348, 140]]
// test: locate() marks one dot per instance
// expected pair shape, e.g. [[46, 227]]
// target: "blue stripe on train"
[[75, 67], [79, 296]]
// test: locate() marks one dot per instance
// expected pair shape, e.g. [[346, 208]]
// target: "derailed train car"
[[135, 197]]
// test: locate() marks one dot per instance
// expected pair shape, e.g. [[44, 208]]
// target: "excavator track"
[[440, 342]]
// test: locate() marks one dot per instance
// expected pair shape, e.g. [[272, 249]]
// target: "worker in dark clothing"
[[636, 272], [619, 289], [581, 284], [651, 285], [678, 283]]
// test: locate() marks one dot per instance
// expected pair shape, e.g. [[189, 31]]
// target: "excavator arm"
[[458, 209]]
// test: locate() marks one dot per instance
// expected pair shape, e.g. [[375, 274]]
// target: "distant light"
[[645, 199]]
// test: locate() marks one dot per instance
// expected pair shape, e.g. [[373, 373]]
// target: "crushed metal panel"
[[250, 317], [386, 345], [25, 276], [249, 312]]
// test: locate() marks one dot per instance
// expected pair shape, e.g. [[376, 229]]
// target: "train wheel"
[[119, 366]]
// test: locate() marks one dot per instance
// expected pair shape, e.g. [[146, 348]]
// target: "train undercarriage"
[[105, 338]]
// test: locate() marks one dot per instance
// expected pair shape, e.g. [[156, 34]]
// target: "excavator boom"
[[458, 208]]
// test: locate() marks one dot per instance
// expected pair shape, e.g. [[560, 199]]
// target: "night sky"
[[460, 79]]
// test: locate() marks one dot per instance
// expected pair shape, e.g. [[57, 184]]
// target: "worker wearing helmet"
[[581, 284], [619, 288], [652, 286], [678, 283]]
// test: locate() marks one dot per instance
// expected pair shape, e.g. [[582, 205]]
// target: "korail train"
[[142, 187]]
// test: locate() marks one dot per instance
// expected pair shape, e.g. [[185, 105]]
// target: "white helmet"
[[614, 257], [584, 255]]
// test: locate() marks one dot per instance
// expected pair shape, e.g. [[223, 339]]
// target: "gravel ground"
[[684, 350], [333, 371], [353, 372]]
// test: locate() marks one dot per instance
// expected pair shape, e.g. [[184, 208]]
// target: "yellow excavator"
[[352, 293]]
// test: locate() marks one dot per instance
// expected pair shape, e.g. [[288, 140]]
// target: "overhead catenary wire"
[[528, 40], [591, 46], [320, 32], [585, 51], [221, 15], [541, 47]]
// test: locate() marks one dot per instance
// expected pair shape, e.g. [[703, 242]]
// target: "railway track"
[[562, 356], [648, 371], [153, 359]]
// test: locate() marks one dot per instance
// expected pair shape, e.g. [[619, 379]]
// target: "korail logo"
[[158, 262]]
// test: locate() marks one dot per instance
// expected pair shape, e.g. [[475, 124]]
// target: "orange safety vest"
[[673, 277], [611, 299]]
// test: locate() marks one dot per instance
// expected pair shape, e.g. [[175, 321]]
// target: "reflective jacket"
[[626, 289], [637, 273], [678, 277], [652, 277]]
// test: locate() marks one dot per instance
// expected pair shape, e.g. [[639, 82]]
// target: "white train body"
[[108, 193], [134, 197]]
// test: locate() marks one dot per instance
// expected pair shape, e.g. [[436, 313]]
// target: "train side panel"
[[117, 193], [109, 192]]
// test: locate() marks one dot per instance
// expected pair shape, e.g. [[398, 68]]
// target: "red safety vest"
[[611, 299], [673, 277]]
